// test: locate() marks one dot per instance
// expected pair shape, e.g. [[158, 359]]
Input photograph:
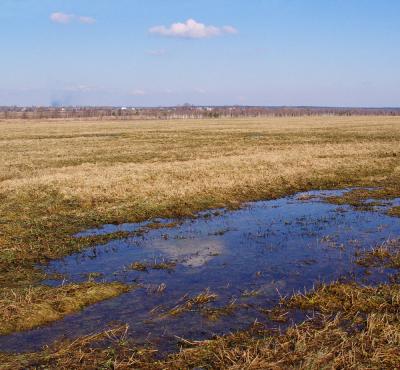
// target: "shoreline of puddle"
[[251, 256]]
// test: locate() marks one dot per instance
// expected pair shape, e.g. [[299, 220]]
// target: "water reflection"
[[250, 256]]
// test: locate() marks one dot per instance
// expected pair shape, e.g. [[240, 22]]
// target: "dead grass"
[[138, 266], [215, 313], [321, 344], [85, 353], [156, 265], [360, 329], [342, 339], [277, 314], [387, 255], [189, 304], [394, 211], [349, 298], [25, 309], [59, 178], [358, 197]]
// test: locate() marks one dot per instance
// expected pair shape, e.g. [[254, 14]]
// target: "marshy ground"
[[62, 178]]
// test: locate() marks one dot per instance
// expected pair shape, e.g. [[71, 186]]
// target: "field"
[[61, 177]]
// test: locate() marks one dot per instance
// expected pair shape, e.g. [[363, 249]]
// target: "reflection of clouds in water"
[[191, 253], [277, 248]]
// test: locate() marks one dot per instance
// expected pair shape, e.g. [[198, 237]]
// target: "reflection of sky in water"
[[269, 247]]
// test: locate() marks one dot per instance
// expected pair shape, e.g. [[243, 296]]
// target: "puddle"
[[249, 258]]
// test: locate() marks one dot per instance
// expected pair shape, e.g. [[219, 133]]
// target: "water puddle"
[[247, 259]]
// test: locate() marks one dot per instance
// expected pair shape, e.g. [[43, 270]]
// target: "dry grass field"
[[61, 177]]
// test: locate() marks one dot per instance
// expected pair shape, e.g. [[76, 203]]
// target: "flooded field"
[[218, 272]]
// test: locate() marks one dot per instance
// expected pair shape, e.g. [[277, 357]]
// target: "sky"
[[208, 52]]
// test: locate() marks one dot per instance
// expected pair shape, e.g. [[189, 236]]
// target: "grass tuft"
[[387, 255], [34, 306], [195, 302]]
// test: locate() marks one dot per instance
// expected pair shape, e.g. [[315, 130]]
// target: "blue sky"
[[212, 52]]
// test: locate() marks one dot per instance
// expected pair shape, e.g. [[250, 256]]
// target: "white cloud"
[[157, 52], [61, 17], [65, 18], [86, 20], [192, 29], [230, 29]]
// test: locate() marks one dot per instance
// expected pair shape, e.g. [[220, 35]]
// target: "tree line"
[[183, 112]]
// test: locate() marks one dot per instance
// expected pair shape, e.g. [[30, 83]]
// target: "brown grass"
[[85, 353], [387, 255], [216, 313], [196, 302], [342, 339], [59, 178], [25, 309], [394, 211], [156, 265], [349, 298], [358, 197]]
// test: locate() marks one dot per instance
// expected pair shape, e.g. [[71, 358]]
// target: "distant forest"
[[184, 112]]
